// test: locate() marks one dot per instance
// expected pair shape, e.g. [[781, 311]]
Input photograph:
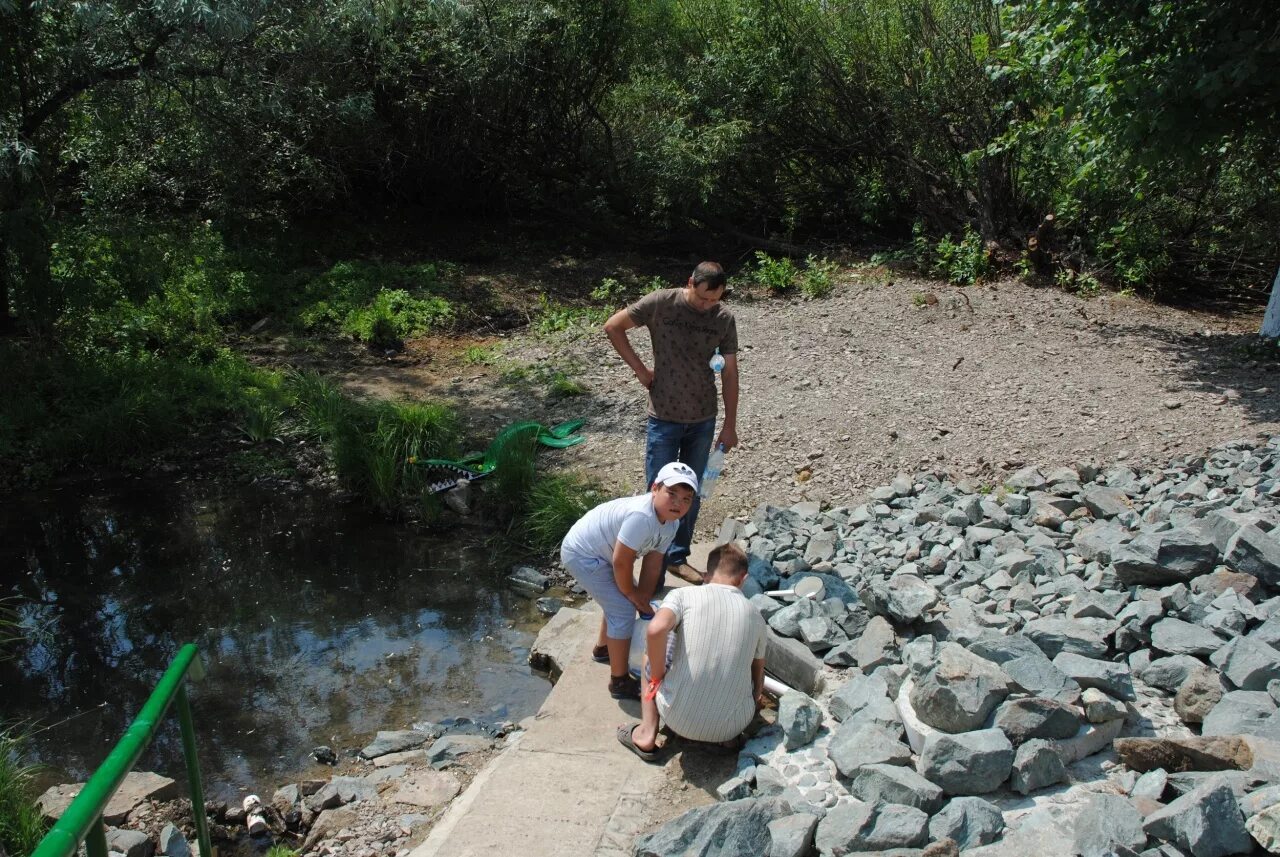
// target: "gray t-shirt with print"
[[684, 340], [630, 520]]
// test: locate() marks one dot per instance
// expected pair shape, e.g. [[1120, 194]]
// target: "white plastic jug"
[[640, 638]]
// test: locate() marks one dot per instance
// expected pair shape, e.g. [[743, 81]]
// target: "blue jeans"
[[666, 442]]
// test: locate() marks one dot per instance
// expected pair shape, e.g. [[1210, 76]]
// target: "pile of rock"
[[381, 805], [987, 650]]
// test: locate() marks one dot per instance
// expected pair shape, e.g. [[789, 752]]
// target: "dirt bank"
[[888, 374]]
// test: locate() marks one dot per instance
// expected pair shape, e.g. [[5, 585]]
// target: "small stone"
[[800, 719], [970, 763], [1099, 708], [792, 835], [856, 744], [1036, 765], [970, 821], [894, 784], [1198, 694]]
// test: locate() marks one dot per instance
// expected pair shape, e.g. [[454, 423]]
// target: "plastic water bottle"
[[717, 362], [715, 464], [640, 638]]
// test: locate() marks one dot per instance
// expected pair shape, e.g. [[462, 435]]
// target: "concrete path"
[[566, 788]]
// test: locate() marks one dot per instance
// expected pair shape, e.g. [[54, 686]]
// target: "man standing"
[[705, 651], [687, 326]]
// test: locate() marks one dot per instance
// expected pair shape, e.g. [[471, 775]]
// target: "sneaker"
[[687, 573], [624, 687]]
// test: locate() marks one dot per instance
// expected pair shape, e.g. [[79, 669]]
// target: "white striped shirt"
[[707, 692]]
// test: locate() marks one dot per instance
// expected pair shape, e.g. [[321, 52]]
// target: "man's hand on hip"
[[645, 376], [728, 438]]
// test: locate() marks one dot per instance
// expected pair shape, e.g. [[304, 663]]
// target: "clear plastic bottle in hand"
[[715, 465]]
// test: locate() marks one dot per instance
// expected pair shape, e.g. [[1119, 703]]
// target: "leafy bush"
[[555, 504], [610, 291], [964, 263], [818, 278], [381, 303], [776, 275]]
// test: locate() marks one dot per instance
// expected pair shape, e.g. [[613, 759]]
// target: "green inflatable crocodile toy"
[[446, 474]]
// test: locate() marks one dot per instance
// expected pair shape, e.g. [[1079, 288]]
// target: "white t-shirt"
[[630, 520], [706, 694]]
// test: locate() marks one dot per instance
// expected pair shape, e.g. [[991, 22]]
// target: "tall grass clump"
[[370, 444], [514, 474], [555, 503], [21, 822]]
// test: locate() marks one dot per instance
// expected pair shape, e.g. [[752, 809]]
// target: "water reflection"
[[318, 624]]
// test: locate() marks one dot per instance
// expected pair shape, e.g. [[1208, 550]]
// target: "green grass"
[[555, 381], [482, 355], [281, 851], [107, 408], [556, 317], [555, 503], [21, 823]]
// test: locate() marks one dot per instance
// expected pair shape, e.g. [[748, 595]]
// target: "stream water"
[[318, 624]]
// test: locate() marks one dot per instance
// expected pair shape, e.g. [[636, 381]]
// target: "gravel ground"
[[893, 374]]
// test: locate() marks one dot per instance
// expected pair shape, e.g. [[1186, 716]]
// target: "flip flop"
[[627, 739], [600, 654]]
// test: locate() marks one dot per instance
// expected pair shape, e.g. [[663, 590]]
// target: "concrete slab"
[[565, 788]]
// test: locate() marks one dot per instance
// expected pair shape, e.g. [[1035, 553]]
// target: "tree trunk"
[[1039, 246]]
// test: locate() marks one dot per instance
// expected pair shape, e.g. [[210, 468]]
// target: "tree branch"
[[89, 80]]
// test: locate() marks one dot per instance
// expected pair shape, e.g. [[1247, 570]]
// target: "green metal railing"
[[82, 821]]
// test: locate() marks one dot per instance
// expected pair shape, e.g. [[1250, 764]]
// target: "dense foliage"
[[157, 157], [1149, 127]]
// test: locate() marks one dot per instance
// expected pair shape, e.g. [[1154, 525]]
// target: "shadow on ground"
[[1239, 366]]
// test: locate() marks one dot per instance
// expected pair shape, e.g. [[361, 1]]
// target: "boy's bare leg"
[[650, 571], [619, 656], [603, 639]]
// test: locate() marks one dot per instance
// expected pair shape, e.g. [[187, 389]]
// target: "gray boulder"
[[792, 835], [397, 741], [726, 829], [894, 784], [1264, 827], [1036, 717], [876, 645], [858, 827], [1253, 550], [1086, 637], [970, 763], [1169, 556], [1205, 822], [1104, 502], [173, 843], [856, 744], [1176, 637], [1100, 708], [970, 821], [1108, 824], [858, 692], [130, 843], [1252, 664], [1036, 765], [1001, 649], [449, 748], [907, 597], [959, 691], [1107, 676], [1038, 676], [800, 718], [1169, 673], [1243, 712]]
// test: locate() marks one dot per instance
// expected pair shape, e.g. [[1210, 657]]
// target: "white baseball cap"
[[677, 473]]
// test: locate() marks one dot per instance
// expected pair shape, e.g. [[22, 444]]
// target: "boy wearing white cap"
[[600, 551]]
